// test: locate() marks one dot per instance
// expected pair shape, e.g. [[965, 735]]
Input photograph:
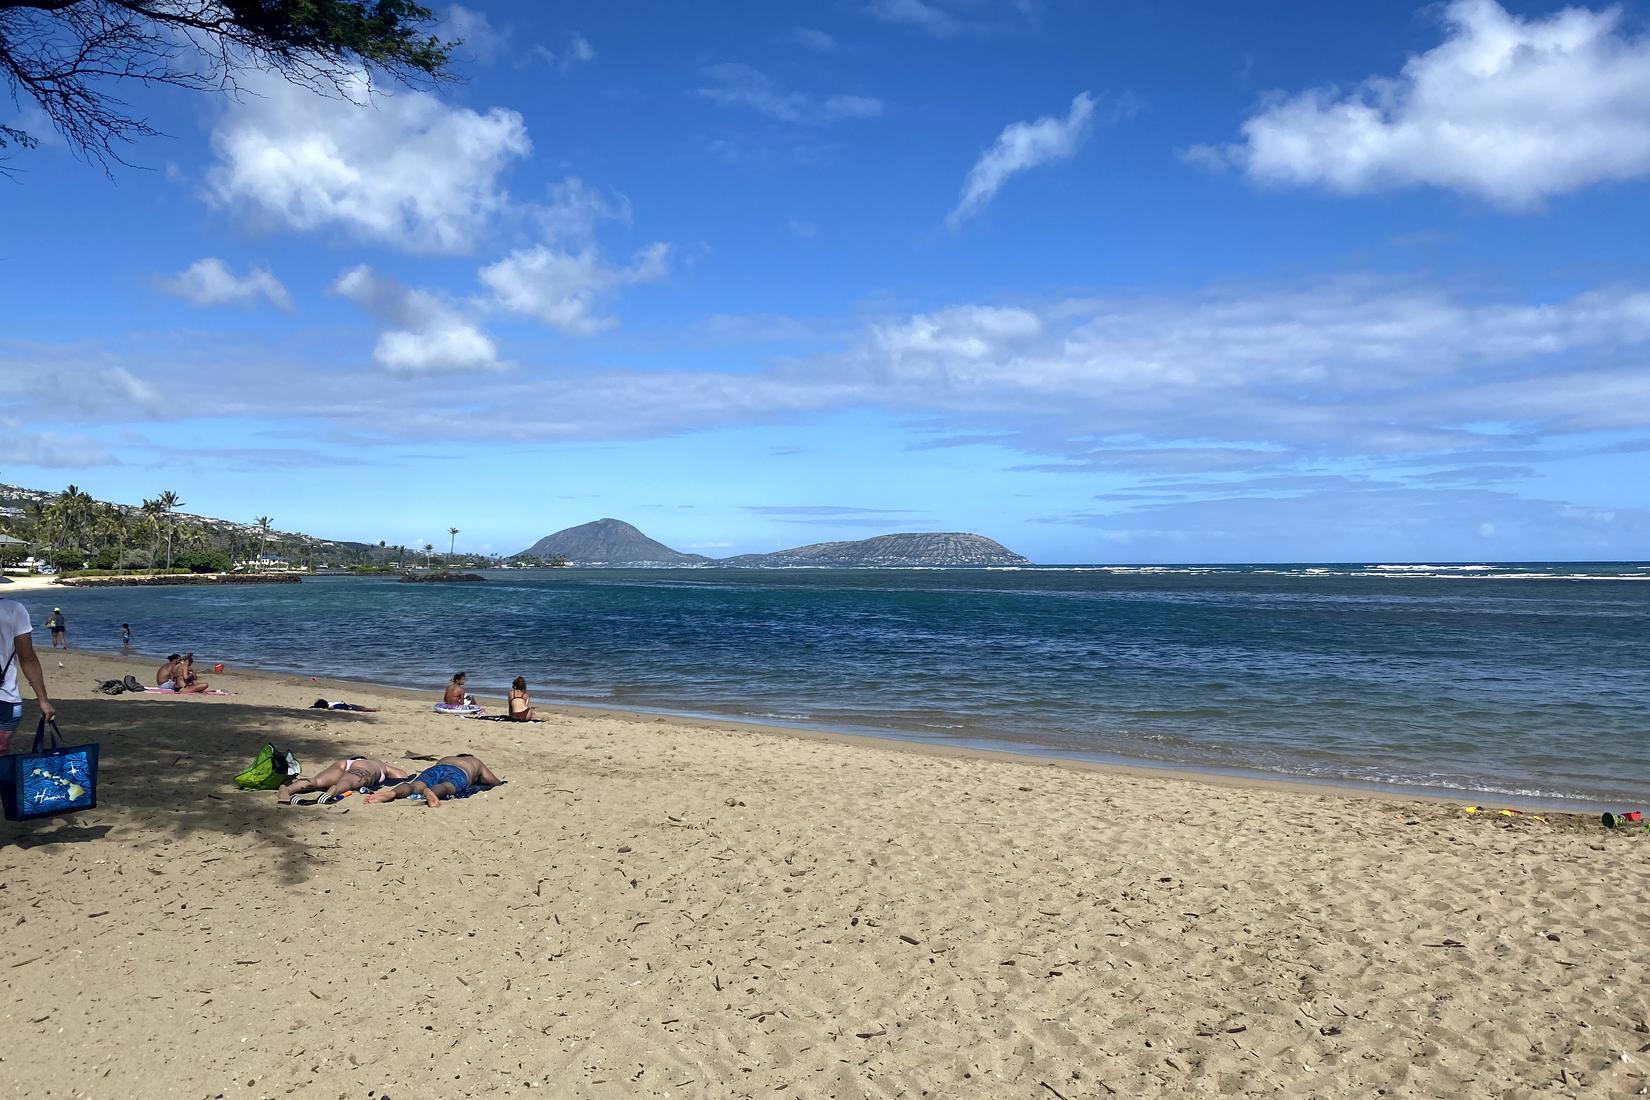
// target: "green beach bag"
[[272, 768]]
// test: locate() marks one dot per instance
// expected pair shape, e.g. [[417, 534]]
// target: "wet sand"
[[664, 907]]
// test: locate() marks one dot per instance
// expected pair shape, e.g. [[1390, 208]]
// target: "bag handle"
[[40, 735]]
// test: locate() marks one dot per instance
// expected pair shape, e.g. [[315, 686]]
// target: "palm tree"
[[263, 523], [429, 548], [168, 503], [451, 542]]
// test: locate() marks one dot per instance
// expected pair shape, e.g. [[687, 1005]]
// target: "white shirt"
[[14, 621]]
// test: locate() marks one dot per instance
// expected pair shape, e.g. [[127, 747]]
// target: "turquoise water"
[[1526, 680]]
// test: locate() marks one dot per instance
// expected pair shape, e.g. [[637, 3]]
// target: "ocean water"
[[1495, 681]]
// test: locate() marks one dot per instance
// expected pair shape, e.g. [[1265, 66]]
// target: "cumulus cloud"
[[1262, 378], [921, 15], [1507, 109], [209, 282], [1022, 146], [430, 335], [401, 169], [736, 85], [561, 287]]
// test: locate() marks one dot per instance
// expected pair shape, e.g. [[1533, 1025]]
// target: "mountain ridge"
[[613, 542]]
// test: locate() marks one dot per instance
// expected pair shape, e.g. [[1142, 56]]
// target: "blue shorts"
[[446, 773], [10, 715]]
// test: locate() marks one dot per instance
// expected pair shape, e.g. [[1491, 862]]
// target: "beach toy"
[[1470, 810], [218, 667]]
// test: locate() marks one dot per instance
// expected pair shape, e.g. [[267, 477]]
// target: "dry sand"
[[672, 908]]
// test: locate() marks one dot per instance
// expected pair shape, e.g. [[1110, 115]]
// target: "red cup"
[[1632, 815], [218, 667]]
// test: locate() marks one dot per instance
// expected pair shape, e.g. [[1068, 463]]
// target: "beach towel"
[[175, 691], [502, 718], [464, 710]]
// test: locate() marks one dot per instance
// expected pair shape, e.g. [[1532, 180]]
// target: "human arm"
[[393, 772], [29, 663]]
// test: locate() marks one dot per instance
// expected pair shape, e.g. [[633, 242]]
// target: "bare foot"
[[431, 800], [385, 795]]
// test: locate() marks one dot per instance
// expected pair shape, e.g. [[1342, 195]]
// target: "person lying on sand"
[[455, 695], [521, 707], [449, 777], [340, 777], [322, 704]]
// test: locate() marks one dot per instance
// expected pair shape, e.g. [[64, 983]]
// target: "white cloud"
[[950, 18], [430, 335], [575, 209], [811, 38], [481, 40], [561, 287], [576, 50], [1021, 146], [209, 282], [930, 18], [401, 169], [1508, 109], [736, 85]]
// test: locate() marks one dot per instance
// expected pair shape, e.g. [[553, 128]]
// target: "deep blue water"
[[1530, 680]]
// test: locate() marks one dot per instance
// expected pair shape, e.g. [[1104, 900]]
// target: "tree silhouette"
[[61, 54]]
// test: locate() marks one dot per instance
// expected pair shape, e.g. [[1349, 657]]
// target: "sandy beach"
[[656, 907]]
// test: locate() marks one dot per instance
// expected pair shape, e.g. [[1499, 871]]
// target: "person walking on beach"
[[17, 652], [450, 777], [521, 707], [59, 628]]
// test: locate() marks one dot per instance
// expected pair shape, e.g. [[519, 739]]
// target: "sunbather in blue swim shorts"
[[451, 777]]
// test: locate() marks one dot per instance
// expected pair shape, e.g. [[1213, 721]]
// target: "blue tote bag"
[[51, 779]]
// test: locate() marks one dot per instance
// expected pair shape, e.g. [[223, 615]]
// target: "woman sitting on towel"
[[342, 776], [456, 696], [521, 707]]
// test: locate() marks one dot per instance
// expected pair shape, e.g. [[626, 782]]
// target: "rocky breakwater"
[[137, 580]]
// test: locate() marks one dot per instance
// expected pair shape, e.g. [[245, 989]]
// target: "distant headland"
[[612, 542]]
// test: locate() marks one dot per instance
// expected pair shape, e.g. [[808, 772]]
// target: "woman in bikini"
[[521, 707], [342, 776], [455, 696]]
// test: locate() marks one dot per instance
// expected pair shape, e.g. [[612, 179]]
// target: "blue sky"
[[1123, 282]]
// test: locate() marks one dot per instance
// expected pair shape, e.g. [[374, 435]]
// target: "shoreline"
[[663, 908], [939, 746]]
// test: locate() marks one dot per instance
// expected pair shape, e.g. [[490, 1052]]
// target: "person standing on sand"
[[450, 777], [17, 651], [59, 627]]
